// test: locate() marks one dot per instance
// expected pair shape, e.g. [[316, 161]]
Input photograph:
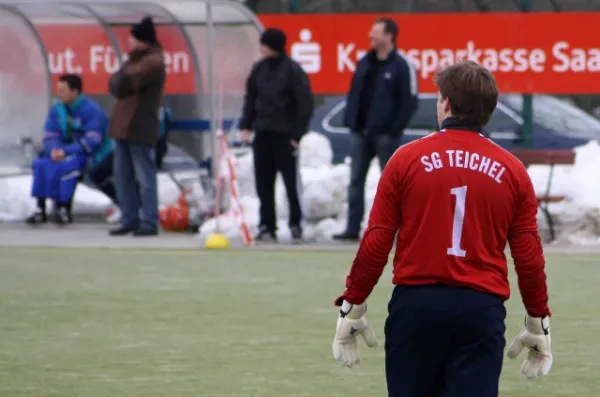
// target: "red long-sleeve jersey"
[[454, 199]]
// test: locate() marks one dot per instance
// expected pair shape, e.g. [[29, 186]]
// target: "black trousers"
[[275, 153], [102, 176], [443, 341]]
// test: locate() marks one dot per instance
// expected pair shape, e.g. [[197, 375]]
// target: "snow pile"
[[577, 219], [315, 151], [16, 203], [324, 195], [323, 192]]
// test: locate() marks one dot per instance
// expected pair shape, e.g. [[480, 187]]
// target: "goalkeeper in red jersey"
[[452, 201]]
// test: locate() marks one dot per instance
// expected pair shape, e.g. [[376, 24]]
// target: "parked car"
[[556, 123]]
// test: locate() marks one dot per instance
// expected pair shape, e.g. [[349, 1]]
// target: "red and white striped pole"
[[227, 166], [237, 210]]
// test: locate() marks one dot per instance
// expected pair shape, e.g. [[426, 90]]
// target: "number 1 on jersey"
[[459, 219]]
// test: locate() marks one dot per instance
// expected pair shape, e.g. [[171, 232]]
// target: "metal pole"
[[109, 32], [527, 110], [42, 47], [212, 92]]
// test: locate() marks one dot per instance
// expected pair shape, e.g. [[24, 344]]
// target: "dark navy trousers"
[[444, 341]]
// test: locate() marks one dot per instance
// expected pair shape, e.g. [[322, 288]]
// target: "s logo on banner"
[[307, 53]]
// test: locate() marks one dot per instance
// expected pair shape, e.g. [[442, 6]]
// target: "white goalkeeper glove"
[[351, 323], [536, 338]]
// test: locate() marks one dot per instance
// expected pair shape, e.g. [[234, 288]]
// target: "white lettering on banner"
[[104, 56], [178, 62], [343, 58], [307, 53], [102, 59], [427, 61], [63, 62], [576, 59]]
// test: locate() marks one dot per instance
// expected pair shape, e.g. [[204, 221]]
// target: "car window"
[[559, 115], [425, 117], [500, 121]]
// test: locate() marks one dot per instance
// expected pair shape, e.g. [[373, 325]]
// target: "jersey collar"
[[452, 123]]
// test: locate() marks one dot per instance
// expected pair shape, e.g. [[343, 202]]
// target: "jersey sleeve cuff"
[[539, 313]]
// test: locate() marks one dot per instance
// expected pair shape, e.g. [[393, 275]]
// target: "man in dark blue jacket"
[[381, 102]]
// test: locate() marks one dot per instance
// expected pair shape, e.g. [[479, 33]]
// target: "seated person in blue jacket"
[[75, 134]]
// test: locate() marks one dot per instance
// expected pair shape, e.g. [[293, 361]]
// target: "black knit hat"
[[145, 31], [274, 39]]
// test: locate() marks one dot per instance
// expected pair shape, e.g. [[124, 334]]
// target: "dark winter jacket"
[[395, 98], [138, 87], [278, 98]]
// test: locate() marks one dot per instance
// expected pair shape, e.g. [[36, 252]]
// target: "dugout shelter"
[[209, 46]]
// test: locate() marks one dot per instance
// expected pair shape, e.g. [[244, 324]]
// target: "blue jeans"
[[363, 148], [134, 167]]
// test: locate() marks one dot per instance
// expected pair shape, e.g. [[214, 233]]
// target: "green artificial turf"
[[91, 323]]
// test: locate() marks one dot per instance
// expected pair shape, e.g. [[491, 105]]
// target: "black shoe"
[[145, 233], [266, 235], [347, 236], [122, 231], [62, 216], [296, 234], [37, 218]]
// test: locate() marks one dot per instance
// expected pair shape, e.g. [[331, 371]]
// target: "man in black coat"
[[382, 100], [278, 106]]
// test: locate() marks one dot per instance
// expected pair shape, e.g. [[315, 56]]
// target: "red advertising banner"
[[554, 53], [87, 50]]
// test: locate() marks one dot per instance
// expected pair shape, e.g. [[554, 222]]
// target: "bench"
[[175, 160], [550, 158]]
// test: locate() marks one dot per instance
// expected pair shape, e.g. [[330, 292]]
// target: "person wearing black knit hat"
[[143, 32], [274, 40], [138, 87], [278, 107]]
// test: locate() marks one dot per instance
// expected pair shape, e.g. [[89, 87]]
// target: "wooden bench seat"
[[551, 158]]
